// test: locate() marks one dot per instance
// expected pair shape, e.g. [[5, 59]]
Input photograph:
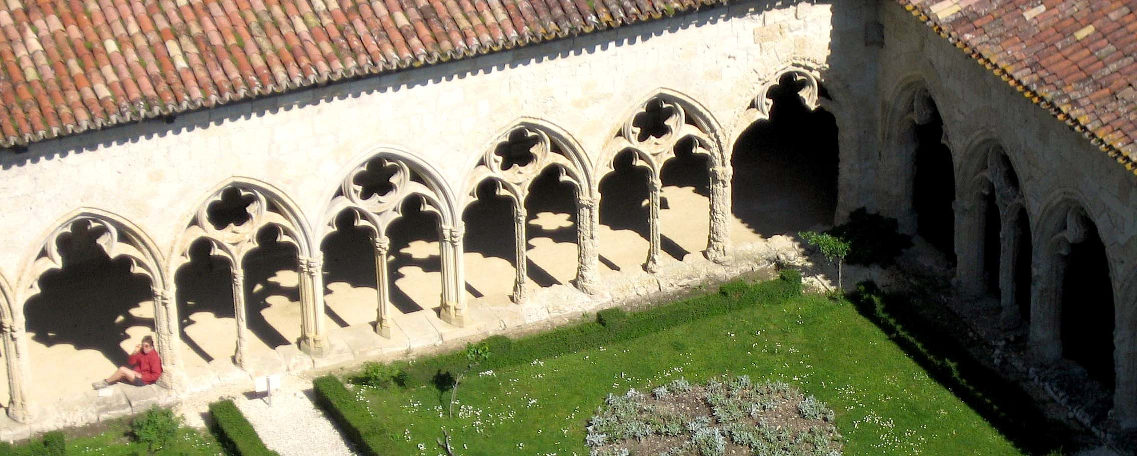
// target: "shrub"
[[351, 415], [875, 239], [234, 431], [54, 444], [612, 317], [376, 375], [156, 429]]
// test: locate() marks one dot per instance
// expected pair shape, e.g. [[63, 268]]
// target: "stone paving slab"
[[418, 329]]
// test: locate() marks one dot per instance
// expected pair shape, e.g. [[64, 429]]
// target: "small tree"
[[475, 355], [832, 247]]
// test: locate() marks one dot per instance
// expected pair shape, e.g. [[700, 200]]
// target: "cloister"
[[254, 231]]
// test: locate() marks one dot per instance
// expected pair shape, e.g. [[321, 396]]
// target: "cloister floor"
[[885, 403]]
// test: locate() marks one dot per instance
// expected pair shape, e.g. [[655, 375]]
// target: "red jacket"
[[147, 364]]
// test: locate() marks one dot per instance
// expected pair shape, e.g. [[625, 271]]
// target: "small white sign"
[[267, 383]]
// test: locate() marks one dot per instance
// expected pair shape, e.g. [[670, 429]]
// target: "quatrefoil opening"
[[518, 150], [653, 121], [232, 209], [378, 179]]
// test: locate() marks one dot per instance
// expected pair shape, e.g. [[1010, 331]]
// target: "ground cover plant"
[[537, 395], [728, 416], [156, 432]]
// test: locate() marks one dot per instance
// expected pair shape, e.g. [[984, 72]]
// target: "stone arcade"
[[220, 172]]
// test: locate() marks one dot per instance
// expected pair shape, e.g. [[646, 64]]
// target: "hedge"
[[351, 415], [234, 431]]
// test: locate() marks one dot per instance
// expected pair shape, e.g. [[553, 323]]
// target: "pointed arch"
[[269, 206], [551, 146], [410, 176], [804, 71], [375, 187], [122, 238], [685, 119]]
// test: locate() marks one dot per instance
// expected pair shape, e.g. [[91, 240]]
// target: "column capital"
[[722, 173], [311, 265], [451, 235], [164, 297], [381, 243], [588, 201], [655, 184], [5, 326]]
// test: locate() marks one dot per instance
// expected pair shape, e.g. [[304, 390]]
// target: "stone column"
[[169, 344], [241, 312], [969, 231], [654, 189], [521, 270], [587, 258], [1008, 249], [17, 404], [453, 281], [718, 239], [382, 311], [1125, 357], [314, 338], [1045, 306]]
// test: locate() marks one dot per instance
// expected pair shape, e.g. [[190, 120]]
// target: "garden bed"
[[537, 394]]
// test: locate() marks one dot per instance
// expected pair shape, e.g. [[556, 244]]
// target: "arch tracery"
[[117, 238], [514, 160], [375, 188], [11, 334], [652, 132], [230, 220]]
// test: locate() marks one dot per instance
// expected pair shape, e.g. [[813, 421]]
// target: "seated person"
[[145, 367]]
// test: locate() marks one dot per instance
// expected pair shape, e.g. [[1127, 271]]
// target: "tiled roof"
[[1076, 58], [69, 66]]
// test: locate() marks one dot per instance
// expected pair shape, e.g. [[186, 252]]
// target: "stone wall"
[[148, 183]]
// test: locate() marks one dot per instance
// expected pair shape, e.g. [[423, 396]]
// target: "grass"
[[115, 440], [885, 402]]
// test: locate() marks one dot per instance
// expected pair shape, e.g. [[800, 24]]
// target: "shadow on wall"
[[785, 168], [92, 301], [349, 258], [271, 281], [204, 284], [416, 259]]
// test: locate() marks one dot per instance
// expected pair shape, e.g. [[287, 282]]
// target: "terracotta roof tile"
[[1072, 57]]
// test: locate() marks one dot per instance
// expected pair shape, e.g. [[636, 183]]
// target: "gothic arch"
[[1065, 221], [261, 205], [400, 176], [514, 159], [676, 118], [120, 238], [758, 106]]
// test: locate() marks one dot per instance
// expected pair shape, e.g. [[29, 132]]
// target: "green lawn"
[[885, 403]]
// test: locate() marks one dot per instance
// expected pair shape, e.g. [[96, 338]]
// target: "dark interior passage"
[[415, 251], [489, 232], [550, 211], [349, 259], [785, 168], [89, 302], [684, 204], [933, 190], [264, 287], [205, 284], [624, 201], [1087, 309]]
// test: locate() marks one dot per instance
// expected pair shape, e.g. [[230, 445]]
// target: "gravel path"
[[293, 425]]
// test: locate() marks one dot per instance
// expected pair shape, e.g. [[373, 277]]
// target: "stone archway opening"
[[1022, 262], [272, 291], [87, 317], [489, 244], [551, 230], [785, 167], [204, 297], [1087, 308], [416, 264], [349, 273], [933, 188], [624, 231], [685, 201]]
